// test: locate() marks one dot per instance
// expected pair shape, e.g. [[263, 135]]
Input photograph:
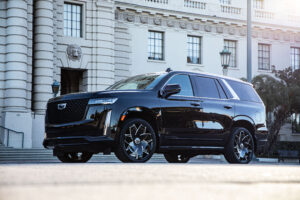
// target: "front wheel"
[[240, 148], [136, 141], [176, 158], [74, 157]]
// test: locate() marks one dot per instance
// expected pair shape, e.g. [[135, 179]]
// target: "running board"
[[191, 148]]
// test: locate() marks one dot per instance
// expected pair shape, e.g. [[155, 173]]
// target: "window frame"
[[162, 46], [82, 18], [176, 95], [192, 49], [215, 81], [292, 50], [235, 55], [258, 57]]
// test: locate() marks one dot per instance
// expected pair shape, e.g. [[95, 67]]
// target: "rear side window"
[[206, 87], [185, 84], [244, 91]]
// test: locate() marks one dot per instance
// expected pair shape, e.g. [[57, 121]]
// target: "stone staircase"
[[39, 155]]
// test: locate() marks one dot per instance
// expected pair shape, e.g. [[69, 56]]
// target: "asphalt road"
[[199, 179]]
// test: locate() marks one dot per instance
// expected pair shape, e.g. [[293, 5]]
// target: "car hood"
[[99, 94]]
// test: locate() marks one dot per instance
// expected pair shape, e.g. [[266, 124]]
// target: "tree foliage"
[[281, 95]]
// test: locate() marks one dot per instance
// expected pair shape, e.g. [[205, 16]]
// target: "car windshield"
[[140, 82]]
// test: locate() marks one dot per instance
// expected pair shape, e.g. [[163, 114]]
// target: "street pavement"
[[201, 178]]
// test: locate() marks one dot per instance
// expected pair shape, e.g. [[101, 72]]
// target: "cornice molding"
[[205, 26]]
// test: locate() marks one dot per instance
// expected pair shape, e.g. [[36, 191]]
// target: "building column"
[[16, 115], [16, 56], [43, 54]]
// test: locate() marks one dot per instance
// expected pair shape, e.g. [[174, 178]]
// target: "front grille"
[[74, 111]]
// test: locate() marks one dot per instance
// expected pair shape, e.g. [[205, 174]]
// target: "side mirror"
[[170, 89]]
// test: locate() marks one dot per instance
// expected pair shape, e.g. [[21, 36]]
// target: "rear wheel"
[[176, 158], [136, 141], [74, 157], [240, 148]]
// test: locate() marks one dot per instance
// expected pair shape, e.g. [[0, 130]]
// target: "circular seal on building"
[[157, 21], [170, 23], [196, 26], [182, 25], [74, 52], [207, 28], [130, 18]]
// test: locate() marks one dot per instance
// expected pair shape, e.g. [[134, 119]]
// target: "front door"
[[178, 112]]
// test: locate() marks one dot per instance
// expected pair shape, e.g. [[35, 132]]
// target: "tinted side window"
[[206, 87], [221, 90], [185, 84], [244, 91]]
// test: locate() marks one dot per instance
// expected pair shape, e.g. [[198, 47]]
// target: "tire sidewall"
[[229, 152]]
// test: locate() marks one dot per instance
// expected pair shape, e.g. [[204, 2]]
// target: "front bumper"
[[92, 134], [93, 144]]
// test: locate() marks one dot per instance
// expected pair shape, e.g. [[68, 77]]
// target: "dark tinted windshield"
[[245, 91], [140, 82]]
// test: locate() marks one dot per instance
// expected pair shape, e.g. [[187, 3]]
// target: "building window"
[[258, 4], [295, 58], [72, 20], [155, 45], [230, 45], [194, 50], [228, 2], [264, 56]]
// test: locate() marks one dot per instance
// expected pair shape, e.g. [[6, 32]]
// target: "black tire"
[[74, 157], [176, 158], [135, 147], [240, 147]]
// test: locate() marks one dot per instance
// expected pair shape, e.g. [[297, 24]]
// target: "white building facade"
[[87, 45]]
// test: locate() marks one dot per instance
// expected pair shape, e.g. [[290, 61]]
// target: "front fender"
[[243, 118], [152, 116]]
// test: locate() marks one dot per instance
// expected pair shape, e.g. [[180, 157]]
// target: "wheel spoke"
[[138, 141]]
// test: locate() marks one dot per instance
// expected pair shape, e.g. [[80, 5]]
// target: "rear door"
[[214, 120]]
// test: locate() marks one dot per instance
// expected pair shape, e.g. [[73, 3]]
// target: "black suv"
[[180, 114]]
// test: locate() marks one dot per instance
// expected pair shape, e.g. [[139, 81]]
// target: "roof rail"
[[169, 70]]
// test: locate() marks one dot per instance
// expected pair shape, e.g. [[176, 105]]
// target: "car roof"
[[210, 75]]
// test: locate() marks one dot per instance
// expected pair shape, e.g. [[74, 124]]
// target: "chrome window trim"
[[235, 96]]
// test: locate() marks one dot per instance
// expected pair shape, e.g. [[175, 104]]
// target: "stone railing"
[[157, 1], [194, 4], [230, 10], [264, 14]]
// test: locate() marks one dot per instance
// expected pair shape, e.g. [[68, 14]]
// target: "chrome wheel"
[[138, 141], [243, 146]]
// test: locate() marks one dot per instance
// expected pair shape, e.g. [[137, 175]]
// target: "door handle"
[[195, 104], [228, 107]]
